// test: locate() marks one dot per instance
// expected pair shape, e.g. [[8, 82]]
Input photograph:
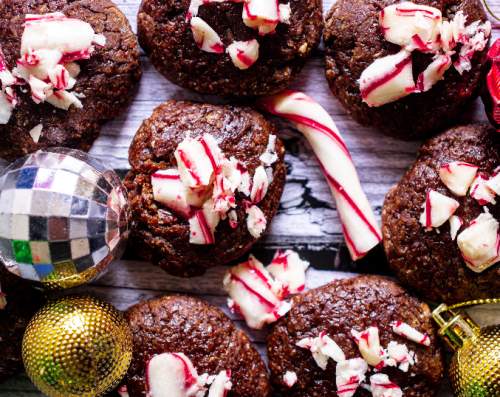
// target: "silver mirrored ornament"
[[63, 217]]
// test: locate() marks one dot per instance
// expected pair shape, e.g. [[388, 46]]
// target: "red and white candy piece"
[[205, 37], [256, 221], [269, 157], [322, 348], [263, 15], [251, 290], [452, 32], [410, 333], [480, 243], [407, 23], [360, 228], [438, 208], [221, 385], [243, 53], [123, 391], [387, 79], [290, 378], [493, 183], [260, 185], [400, 356], [456, 224], [368, 342], [474, 39], [173, 375], [202, 225], [198, 160], [73, 37], [40, 90], [6, 77], [433, 73], [349, 375], [169, 190], [458, 176], [290, 271], [381, 386], [64, 100], [480, 191]]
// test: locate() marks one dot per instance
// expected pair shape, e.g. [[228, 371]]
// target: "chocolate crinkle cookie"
[[184, 344], [406, 68], [356, 337], [205, 184], [440, 223], [18, 303], [230, 48], [66, 67]]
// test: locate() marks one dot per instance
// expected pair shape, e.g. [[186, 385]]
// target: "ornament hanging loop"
[[455, 328]]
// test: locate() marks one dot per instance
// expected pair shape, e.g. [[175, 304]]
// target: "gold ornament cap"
[[77, 347], [475, 367]]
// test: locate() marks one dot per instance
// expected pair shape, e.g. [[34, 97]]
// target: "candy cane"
[[361, 231]]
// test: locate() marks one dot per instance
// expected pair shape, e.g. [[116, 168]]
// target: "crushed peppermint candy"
[[290, 378], [368, 342], [349, 375], [479, 243], [203, 188], [381, 386], [322, 348], [257, 295], [399, 355], [458, 176], [123, 391], [256, 221], [289, 270], [262, 15], [47, 59], [416, 27], [438, 208], [252, 294], [455, 225], [36, 132], [410, 333], [8, 99], [174, 375], [480, 191]]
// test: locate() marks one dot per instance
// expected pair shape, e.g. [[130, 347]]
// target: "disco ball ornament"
[[77, 346], [63, 217]]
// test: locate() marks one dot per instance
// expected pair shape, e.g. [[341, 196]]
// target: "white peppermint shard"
[[458, 176], [289, 270], [381, 386], [205, 37], [410, 24], [173, 375], [438, 208], [349, 375], [368, 342], [322, 349], [387, 79], [410, 333], [244, 53], [479, 243]]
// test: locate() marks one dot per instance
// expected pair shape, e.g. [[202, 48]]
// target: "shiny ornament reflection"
[[77, 346], [63, 217]]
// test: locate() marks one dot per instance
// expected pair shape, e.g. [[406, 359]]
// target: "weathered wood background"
[[307, 220]]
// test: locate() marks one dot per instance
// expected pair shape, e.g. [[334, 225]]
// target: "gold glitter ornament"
[[475, 366], [77, 346]]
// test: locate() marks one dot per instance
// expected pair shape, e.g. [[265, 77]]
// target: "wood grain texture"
[[307, 220]]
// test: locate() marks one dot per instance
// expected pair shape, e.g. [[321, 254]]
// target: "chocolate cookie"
[[430, 260], [104, 85], [342, 314], [188, 326], [270, 62], [354, 39], [163, 231], [21, 303]]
